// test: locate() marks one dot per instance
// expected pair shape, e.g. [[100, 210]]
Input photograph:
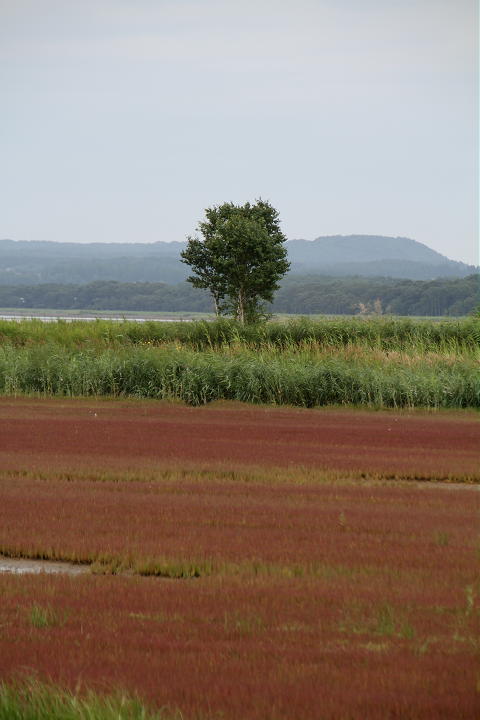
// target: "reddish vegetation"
[[258, 650], [326, 600], [402, 528], [65, 432]]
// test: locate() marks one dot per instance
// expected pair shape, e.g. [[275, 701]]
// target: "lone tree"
[[240, 258]]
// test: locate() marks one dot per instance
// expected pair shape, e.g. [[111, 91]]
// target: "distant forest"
[[303, 295]]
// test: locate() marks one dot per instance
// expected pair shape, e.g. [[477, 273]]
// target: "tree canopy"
[[240, 257]]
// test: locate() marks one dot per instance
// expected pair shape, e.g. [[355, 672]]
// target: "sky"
[[122, 121]]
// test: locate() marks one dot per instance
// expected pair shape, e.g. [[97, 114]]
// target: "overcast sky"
[[122, 120]]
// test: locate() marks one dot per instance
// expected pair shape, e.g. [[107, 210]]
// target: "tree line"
[[237, 263], [298, 295]]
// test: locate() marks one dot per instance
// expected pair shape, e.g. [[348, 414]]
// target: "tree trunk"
[[241, 306]]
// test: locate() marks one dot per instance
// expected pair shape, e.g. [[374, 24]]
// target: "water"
[[69, 318], [20, 566]]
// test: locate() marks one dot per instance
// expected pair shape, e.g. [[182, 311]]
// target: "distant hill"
[[372, 255], [32, 262], [36, 262]]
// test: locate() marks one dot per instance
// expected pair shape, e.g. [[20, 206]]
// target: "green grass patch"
[[388, 333], [34, 700], [305, 379], [377, 362], [44, 617]]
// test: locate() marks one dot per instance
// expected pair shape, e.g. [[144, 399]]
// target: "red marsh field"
[[245, 562], [54, 432]]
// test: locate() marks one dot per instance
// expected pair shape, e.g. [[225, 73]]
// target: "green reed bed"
[[386, 333], [34, 700], [304, 377]]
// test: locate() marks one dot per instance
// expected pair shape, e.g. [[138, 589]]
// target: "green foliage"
[[377, 296], [43, 617], [442, 539], [304, 378], [379, 362], [296, 295], [240, 259], [386, 621], [383, 333], [34, 700], [201, 257]]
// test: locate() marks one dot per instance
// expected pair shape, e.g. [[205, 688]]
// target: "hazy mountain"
[[34, 262], [333, 249], [372, 255]]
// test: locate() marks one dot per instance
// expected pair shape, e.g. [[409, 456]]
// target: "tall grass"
[[34, 700], [304, 377], [386, 333], [380, 362]]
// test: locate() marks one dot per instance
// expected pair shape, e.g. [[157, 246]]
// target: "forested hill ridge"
[[373, 256], [297, 295], [32, 262]]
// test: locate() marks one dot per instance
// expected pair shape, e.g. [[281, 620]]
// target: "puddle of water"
[[450, 486], [23, 566]]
